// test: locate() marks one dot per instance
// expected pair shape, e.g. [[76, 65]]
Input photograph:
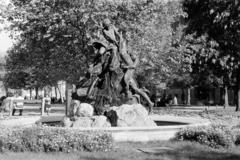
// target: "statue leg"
[[90, 89], [141, 93], [127, 77], [115, 58]]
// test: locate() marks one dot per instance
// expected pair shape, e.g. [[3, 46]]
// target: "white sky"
[[5, 40]]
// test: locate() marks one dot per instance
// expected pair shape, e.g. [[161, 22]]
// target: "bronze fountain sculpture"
[[111, 75]]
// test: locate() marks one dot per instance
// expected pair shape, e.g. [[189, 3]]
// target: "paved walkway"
[[20, 121], [191, 108], [59, 109]]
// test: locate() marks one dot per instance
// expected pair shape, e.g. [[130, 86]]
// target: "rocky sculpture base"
[[134, 115]]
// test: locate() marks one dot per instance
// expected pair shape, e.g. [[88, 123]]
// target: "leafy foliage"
[[219, 20], [54, 36]]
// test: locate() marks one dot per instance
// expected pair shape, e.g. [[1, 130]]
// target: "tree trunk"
[[238, 96], [226, 104], [55, 88], [60, 94], [30, 93], [36, 90], [183, 96], [68, 97], [44, 91], [188, 96], [214, 96]]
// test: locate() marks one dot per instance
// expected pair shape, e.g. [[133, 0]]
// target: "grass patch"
[[128, 151]]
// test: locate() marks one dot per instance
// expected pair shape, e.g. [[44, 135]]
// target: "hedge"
[[53, 139], [215, 136]]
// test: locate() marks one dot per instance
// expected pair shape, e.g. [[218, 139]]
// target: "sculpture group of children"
[[113, 58]]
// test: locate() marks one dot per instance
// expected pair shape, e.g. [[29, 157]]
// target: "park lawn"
[[129, 151]]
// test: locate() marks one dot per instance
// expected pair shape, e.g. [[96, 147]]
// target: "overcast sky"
[[5, 40]]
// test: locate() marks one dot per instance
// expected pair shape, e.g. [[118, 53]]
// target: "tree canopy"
[[219, 21], [54, 36]]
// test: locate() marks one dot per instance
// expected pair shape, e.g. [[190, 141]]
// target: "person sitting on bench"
[[18, 105]]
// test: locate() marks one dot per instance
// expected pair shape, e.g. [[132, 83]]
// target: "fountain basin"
[[144, 134], [170, 125]]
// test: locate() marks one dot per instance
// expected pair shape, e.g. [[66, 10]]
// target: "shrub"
[[50, 139], [11, 139], [215, 136], [237, 136]]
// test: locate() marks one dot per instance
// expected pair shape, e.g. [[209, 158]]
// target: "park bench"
[[42, 102]]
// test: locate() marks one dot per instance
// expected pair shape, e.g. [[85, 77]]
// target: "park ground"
[[134, 151], [129, 151]]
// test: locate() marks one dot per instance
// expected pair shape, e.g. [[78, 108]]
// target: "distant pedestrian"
[[158, 102], [175, 101], [47, 104]]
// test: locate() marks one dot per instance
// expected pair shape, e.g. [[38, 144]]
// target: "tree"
[[186, 73], [24, 66], [219, 20], [55, 35]]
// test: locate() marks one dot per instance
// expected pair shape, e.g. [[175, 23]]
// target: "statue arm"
[[116, 32], [135, 61], [133, 65]]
